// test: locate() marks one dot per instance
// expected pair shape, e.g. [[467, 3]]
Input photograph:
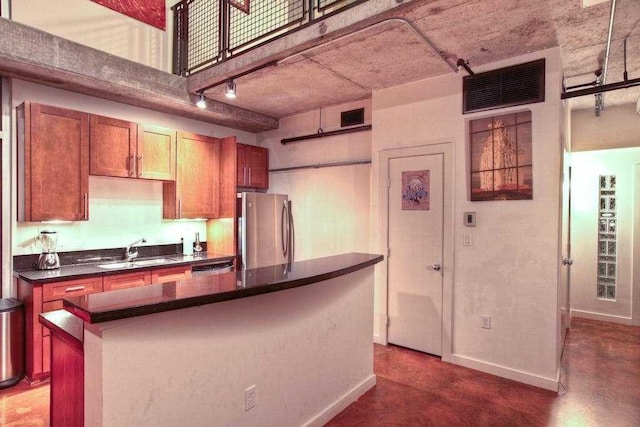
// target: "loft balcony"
[[207, 32]]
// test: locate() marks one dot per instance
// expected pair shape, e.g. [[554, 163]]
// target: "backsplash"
[[28, 262], [121, 211]]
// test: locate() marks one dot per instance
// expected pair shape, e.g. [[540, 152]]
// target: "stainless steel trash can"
[[11, 341]]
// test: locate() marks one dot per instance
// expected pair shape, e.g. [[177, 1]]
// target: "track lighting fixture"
[[202, 103], [230, 89]]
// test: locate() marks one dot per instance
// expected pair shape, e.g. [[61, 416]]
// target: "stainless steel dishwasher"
[[214, 267]]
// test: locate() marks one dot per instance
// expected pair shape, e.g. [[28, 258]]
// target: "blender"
[[48, 259]]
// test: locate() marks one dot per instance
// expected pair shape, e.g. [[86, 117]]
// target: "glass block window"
[[607, 238]]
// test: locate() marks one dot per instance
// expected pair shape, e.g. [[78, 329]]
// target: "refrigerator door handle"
[[284, 231], [291, 238]]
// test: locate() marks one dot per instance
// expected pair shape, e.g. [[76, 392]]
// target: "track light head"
[[202, 103], [230, 89]]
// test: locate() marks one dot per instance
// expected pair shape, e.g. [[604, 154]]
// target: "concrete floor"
[[600, 378]]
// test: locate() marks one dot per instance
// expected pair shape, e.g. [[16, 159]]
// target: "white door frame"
[[446, 149]]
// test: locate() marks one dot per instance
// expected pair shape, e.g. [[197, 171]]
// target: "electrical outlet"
[[486, 322], [250, 398]]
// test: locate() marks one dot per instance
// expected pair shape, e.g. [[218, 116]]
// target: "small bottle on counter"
[[198, 247]]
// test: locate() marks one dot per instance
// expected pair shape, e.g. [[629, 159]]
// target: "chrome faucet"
[[131, 251]]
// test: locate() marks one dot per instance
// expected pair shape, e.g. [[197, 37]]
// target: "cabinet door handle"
[[75, 288], [131, 166], [85, 202], [140, 164], [244, 175], [179, 208], [249, 176]]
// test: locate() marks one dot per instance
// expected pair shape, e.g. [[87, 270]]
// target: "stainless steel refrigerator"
[[266, 235]]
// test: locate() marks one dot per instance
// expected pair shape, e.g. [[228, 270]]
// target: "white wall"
[[617, 127], [587, 166], [96, 26], [330, 205], [307, 350], [120, 210], [511, 271]]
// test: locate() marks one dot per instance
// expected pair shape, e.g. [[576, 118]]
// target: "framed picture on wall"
[[501, 165], [152, 12]]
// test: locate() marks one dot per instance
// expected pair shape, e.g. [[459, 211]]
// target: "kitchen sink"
[[155, 261], [131, 264], [116, 265]]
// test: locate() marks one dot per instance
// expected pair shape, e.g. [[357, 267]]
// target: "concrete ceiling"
[[398, 47], [345, 57]]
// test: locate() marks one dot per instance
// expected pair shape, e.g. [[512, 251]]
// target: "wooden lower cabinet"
[[66, 400], [145, 277], [171, 274], [44, 297], [67, 382], [127, 280], [39, 298]]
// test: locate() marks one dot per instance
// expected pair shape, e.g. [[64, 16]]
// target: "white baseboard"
[[377, 339], [504, 372], [602, 317], [339, 405]]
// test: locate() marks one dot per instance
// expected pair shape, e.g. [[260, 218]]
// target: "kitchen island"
[[284, 345]]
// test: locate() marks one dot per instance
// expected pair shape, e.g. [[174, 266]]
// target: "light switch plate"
[[467, 240], [469, 219]]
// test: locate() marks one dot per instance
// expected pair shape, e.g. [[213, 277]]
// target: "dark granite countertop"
[[212, 288], [78, 271], [61, 321]]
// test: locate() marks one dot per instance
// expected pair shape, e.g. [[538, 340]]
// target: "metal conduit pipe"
[[600, 96], [606, 56]]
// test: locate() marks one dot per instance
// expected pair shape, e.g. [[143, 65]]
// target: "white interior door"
[[565, 274], [415, 238]]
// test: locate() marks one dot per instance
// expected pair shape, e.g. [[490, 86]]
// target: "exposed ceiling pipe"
[[600, 89], [606, 55]]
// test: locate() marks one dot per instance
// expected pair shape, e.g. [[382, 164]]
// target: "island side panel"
[[308, 351]]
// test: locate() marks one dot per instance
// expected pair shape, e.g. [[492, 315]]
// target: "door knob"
[[435, 267], [567, 261]]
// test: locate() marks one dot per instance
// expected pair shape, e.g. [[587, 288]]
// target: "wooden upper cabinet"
[[228, 171], [253, 167], [53, 177], [126, 149], [196, 190], [113, 147], [156, 157]]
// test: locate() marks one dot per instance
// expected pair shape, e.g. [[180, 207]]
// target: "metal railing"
[[207, 32]]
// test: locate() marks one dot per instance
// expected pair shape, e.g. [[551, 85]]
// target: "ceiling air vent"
[[515, 85]]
